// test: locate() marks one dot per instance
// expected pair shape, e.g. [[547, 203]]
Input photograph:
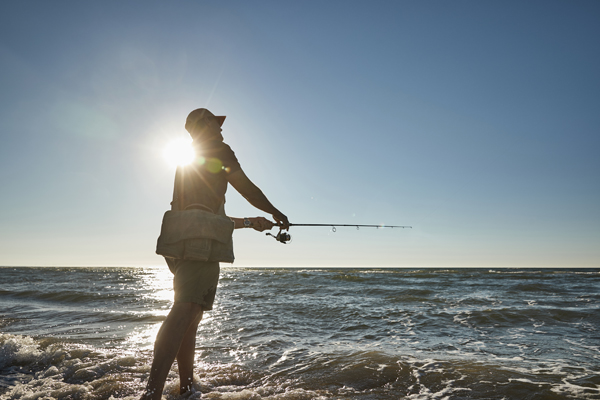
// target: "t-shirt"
[[204, 181]]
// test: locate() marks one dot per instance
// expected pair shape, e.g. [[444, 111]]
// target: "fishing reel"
[[282, 236]]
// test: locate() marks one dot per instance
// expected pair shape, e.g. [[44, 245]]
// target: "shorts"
[[195, 281]]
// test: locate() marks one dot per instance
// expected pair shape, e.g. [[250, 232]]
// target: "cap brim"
[[221, 119]]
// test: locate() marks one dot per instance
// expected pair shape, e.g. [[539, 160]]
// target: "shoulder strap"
[[177, 203]]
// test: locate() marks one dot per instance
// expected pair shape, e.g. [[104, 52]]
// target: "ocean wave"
[[66, 296], [47, 368], [516, 317]]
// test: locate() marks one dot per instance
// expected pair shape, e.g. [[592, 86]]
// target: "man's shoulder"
[[228, 158]]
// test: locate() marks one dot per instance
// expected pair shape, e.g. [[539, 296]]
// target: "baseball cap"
[[199, 114]]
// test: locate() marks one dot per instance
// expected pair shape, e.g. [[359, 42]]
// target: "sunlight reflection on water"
[[143, 337], [157, 285]]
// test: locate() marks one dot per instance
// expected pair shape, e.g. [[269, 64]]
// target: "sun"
[[179, 152]]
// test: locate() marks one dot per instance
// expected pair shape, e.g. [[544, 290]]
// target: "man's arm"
[[256, 197]]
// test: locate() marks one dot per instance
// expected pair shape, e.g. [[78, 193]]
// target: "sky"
[[476, 123]]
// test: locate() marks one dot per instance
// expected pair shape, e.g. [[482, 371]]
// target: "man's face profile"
[[207, 127]]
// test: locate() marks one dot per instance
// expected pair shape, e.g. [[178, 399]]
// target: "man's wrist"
[[247, 222]]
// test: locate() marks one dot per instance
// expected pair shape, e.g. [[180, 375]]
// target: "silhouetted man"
[[201, 185]]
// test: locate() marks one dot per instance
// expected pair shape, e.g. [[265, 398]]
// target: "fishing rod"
[[284, 237]]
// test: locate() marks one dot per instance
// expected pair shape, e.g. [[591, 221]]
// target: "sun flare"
[[179, 152]]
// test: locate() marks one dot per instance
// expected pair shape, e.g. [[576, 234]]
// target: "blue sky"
[[475, 122]]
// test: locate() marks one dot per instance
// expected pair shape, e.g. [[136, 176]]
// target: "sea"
[[88, 333]]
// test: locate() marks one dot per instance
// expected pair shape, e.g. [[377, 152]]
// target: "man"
[[201, 185]]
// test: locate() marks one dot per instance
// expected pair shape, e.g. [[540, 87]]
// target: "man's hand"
[[261, 223], [282, 221]]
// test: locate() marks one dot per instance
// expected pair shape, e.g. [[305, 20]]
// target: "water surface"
[[309, 333]]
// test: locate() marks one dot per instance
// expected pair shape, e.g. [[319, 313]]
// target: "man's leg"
[[168, 341], [185, 357]]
